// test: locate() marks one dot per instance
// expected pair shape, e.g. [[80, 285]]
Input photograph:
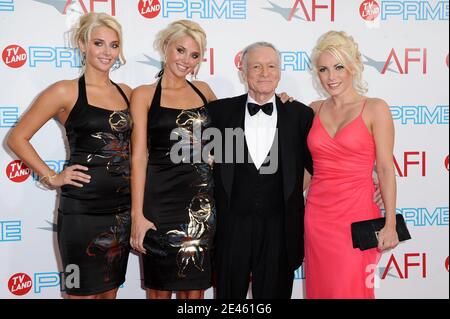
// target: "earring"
[[83, 58]]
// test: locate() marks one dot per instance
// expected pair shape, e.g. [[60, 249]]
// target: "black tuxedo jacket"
[[294, 122]]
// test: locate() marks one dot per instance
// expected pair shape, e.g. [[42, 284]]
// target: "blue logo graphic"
[[57, 4], [295, 61], [420, 114], [299, 273], [415, 10], [57, 165], [6, 5], [46, 280], [421, 216], [9, 115], [284, 12], [51, 227], [378, 65], [152, 62], [10, 230], [205, 9], [59, 56]]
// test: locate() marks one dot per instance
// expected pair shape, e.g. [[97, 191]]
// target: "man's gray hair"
[[253, 46]]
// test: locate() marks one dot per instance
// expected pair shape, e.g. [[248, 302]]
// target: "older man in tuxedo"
[[259, 200]]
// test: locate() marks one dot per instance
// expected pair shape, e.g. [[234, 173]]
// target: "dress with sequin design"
[[94, 221], [179, 198]]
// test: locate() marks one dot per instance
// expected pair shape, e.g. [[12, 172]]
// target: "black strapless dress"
[[179, 198], [94, 221]]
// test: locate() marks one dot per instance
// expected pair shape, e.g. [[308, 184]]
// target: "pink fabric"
[[341, 192]]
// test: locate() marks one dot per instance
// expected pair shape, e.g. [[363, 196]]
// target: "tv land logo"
[[297, 61], [410, 265], [420, 114], [446, 163], [418, 10], [208, 61], [446, 263], [18, 172], [401, 61], [306, 10], [10, 230], [193, 9], [369, 10], [82, 6], [6, 5], [15, 56], [9, 115], [21, 284]]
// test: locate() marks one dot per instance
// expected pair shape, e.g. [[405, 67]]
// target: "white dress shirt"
[[260, 132]]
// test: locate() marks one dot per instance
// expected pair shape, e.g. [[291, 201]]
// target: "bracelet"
[[48, 176]]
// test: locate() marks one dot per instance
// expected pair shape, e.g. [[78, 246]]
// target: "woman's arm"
[[382, 127], [139, 109], [57, 100]]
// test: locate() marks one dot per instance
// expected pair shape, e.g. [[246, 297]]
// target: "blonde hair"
[[88, 22], [344, 48], [178, 29]]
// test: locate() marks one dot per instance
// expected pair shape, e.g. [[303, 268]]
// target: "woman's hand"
[[139, 227], [285, 97], [387, 238], [71, 175]]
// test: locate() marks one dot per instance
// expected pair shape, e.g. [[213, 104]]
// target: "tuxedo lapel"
[[236, 121], [286, 149]]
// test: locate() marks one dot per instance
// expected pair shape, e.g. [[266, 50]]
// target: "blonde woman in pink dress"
[[350, 134]]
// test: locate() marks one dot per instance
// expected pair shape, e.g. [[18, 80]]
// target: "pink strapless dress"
[[341, 192]]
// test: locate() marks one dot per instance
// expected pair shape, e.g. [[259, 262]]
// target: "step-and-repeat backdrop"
[[405, 50]]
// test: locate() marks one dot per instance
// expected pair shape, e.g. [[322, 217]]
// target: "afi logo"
[[149, 8], [20, 284], [412, 159], [14, 56], [412, 260], [17, 171], [446, 263], [310, 11], [411, 55], [446, 163], [72, 5], [369, 10]]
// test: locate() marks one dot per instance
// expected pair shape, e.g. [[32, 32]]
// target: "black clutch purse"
[[155, 243], [365, 233]]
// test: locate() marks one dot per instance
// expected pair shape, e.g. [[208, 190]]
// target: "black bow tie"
[[254, 108]]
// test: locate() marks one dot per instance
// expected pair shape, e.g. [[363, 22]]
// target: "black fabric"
[[365, 233], [179, 200], [94, 221], [255, 108], [275, 234], [294, 123], [258, 252]]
